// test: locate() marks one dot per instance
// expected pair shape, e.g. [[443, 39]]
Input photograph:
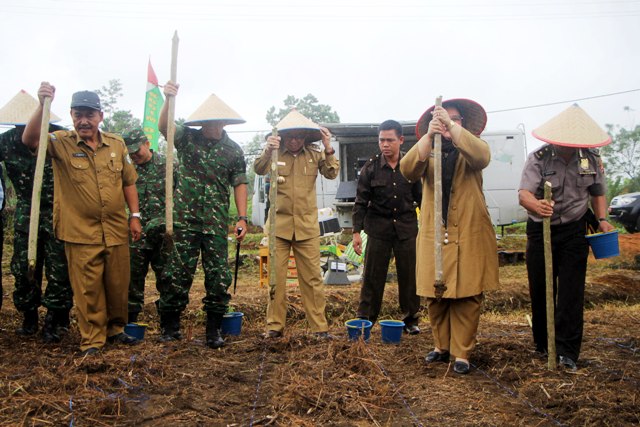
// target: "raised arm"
[[170, 89], [31, 134]]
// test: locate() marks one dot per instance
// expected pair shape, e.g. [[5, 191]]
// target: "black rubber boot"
[[29, 323], [170, 326], [50, 328], [214, 330], [62, 321], [133, 316]]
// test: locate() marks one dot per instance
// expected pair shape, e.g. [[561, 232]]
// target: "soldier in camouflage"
[[210, 163], [27, 296], [150, 249]]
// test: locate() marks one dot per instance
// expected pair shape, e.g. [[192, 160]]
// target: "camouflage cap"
[[134, 139]]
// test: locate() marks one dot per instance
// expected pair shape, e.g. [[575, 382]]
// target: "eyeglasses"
[[457, 118], [295, 136]]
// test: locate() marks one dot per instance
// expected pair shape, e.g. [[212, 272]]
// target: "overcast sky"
[[370, 60]]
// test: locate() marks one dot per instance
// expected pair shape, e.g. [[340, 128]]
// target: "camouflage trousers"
[[188, 245], [150, 250], [28, 294]]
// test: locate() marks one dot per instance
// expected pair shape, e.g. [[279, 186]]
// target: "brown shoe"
[[272, 334]]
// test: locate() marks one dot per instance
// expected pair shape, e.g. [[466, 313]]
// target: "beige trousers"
[[454, 323], [307, 256], [99, 278]]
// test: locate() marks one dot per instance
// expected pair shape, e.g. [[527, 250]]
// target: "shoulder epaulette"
[[112, 135], [544, 151], [595, 151]]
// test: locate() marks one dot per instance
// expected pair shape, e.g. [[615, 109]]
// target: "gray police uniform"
[[573, 183]]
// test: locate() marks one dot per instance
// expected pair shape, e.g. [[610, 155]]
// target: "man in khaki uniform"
[[299, 163], [93, 177]]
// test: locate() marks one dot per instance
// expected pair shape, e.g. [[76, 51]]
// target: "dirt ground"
[[299, 381]]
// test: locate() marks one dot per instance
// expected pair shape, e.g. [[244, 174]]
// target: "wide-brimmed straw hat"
[[214, 109], [572, 128], [295, 121], [19, 109], [474, 118]]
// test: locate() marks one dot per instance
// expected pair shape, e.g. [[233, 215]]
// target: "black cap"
[[86, 99]]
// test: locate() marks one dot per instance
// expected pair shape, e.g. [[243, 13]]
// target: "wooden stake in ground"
[[171, 132], [273, 196], [548, 268], [439, 284], [34, 221]]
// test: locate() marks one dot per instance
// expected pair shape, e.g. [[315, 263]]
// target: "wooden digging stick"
[[273, 195], [548, 268], [171, 132], [439, 284], [34, 221]]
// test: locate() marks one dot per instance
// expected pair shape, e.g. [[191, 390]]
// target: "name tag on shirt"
[[80, 154]]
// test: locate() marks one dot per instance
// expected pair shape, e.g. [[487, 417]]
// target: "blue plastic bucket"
[[391, 331], [135, 330], [232, 323], [357, 328], [604, 245]]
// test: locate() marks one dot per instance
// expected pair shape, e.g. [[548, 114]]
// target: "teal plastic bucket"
[[357, 328], [135, 330], [604, 245], [232, 323], [391, 331]]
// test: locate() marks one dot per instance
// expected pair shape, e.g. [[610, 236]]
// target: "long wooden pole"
[[548, 269], [171, 132], [34, 221], [439, 283], [273, 198]]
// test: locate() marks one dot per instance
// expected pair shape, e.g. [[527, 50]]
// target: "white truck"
[[355, 143]]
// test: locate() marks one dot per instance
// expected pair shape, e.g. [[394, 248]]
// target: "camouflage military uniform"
[[149, 249], [20, 164], [207, 170]]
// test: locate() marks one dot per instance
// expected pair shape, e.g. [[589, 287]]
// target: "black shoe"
[[272, 334], [411, 330], [170, 326], [132, 317], [460, 367], [50, 329], [214, 330], [29, 323], [435, 356], [324, 336], [123, 338], [568, 363], [91, 351]]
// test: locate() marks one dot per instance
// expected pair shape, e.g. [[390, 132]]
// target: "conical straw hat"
[[296, 121], [474, 118], [572, 128], [214, 109], [19, 109]]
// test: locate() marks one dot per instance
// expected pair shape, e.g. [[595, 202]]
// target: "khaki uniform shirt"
[[572, 182], [297, 206], [89, 204]]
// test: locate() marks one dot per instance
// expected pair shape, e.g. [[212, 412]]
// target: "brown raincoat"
[[470, 259]]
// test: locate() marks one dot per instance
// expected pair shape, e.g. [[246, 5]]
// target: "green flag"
[[152, 106]]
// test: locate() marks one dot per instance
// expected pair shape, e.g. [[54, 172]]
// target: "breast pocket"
[[310, 173], [115, 170], [586, 180], [79, 170], [378, 190]]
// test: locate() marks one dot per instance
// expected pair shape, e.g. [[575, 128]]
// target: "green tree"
[[308, 106], [622, 158], [115, 120]]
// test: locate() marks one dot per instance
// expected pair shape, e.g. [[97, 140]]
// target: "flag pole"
[[171, 131]]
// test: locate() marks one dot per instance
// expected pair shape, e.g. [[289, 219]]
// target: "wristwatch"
[[602, 219], [135, 215], [243, 218]]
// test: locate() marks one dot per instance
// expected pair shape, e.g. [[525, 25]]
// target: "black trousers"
[[376, 265], [569, 250]]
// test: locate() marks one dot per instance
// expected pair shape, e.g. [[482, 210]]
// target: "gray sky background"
[[370, 60]]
